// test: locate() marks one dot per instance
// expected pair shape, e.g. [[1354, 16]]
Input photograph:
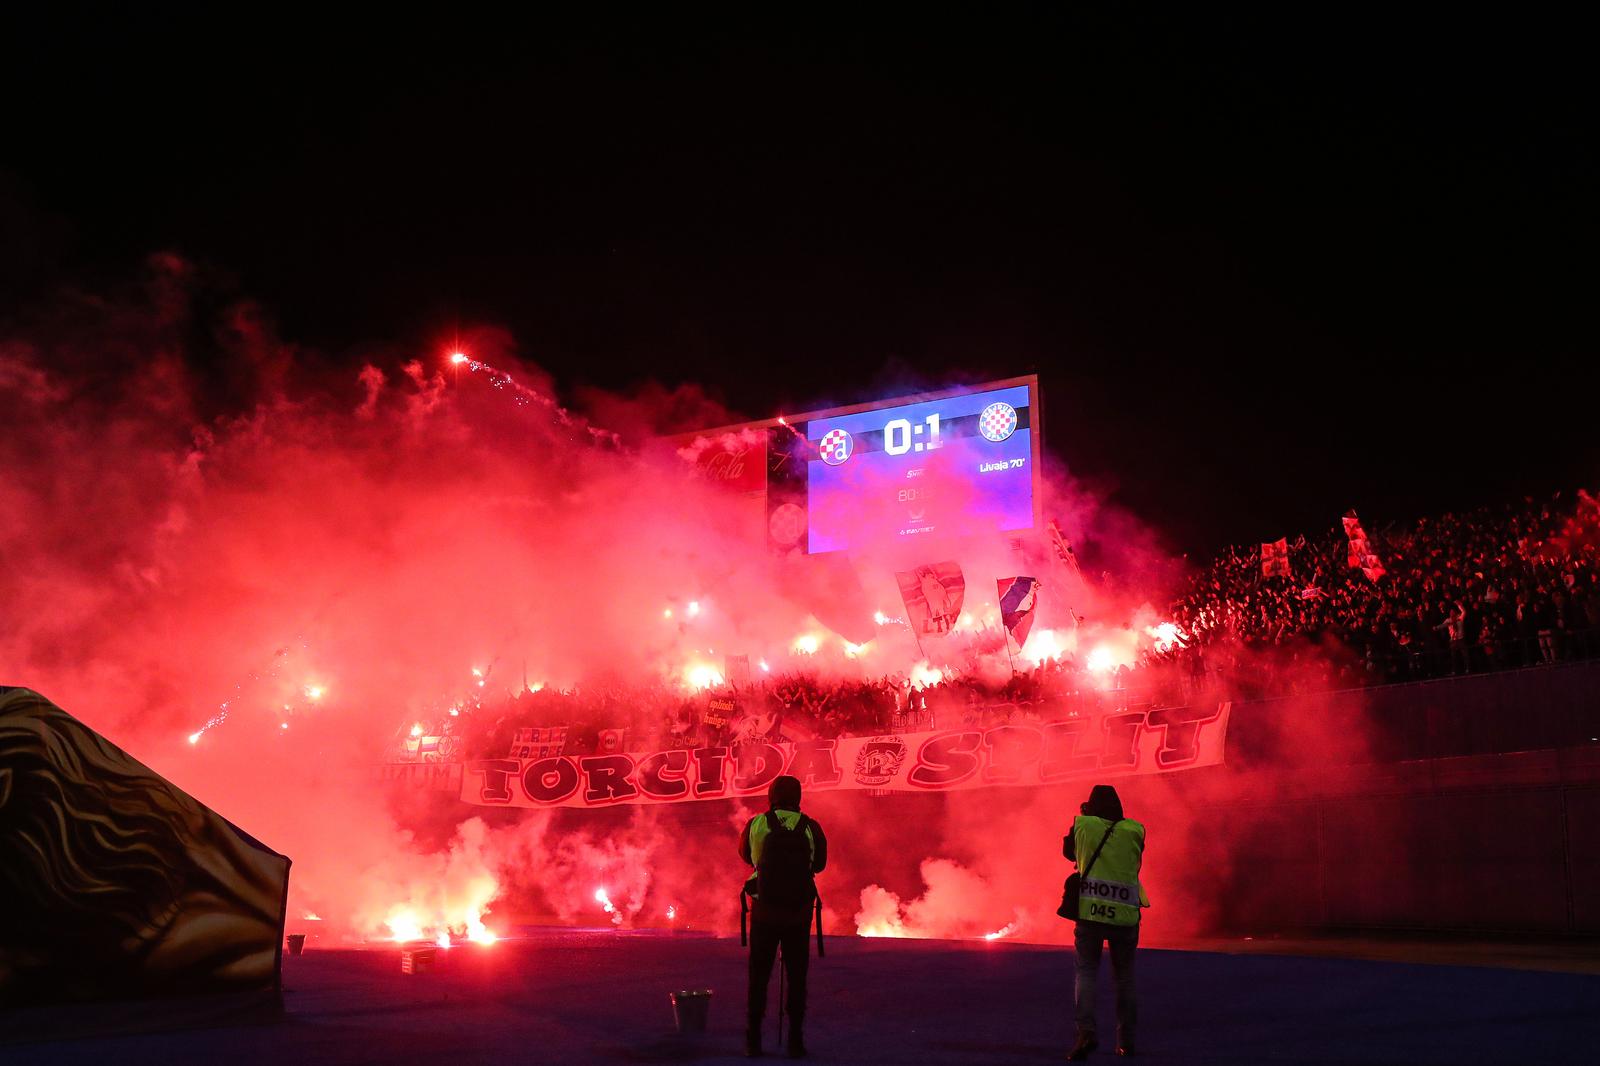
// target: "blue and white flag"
[[1018, 597]]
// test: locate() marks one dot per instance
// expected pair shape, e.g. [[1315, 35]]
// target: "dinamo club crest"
[[879, 760], [835, 447]]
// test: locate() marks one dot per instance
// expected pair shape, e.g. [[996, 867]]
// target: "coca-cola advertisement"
[[735, 460]]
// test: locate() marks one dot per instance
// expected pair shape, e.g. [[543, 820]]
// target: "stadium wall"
[[1469, 804]]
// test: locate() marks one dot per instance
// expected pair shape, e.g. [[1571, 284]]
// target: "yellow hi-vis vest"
[[1111, 893]]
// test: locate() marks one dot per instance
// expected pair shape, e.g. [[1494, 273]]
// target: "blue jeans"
[[1124, 941]]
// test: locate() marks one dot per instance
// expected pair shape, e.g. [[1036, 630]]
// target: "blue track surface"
[[600, 997]]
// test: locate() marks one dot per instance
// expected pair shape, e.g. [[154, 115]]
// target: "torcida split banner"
[[1110, 745]]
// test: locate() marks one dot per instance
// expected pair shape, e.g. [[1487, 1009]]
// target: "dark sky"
[[1267, 270]]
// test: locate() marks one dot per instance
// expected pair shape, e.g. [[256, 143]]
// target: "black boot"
[[752, 1040], [1080, 1051], [797, 1040]]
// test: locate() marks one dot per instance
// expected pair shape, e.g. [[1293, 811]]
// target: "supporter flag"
[[610, 742], [1361, 556], [1018, 598], [736, 670], [1275, 558], [933, 595], [1064, 548]]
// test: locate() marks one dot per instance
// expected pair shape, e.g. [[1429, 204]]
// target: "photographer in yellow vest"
[[1108, 849]]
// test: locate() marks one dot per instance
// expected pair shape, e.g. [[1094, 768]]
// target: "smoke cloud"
[[249, 568]]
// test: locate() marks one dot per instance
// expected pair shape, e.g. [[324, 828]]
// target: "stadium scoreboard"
[[959, 462]]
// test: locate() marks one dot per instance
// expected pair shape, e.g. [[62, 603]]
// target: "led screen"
[[959, 464]]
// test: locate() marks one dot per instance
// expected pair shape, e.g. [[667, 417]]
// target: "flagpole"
[[1005, 634]]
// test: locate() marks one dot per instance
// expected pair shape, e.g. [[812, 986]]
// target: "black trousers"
[[765, 939], [1088, 940]]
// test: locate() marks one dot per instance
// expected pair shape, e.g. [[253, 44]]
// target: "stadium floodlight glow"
[[458, 358]]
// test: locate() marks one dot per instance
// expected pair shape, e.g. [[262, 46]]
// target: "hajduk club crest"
[[998, 421], [879, 760]]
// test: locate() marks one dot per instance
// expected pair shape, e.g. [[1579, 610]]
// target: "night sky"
[[1266, 270]]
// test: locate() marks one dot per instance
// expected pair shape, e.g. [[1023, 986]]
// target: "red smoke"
[[207, 536]]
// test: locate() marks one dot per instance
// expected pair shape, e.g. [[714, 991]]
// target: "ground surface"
[[593, 996]]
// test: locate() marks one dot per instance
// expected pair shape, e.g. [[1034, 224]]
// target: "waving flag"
[[933, 595], [1275, 558], [1361, 556], [1018, 597], [1063, 548]]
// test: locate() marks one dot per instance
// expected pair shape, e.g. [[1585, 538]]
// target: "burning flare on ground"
[[406, 926], [403, 925], [604, 900], [1005, 930]]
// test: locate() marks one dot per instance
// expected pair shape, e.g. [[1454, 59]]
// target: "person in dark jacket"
[[785, 924]]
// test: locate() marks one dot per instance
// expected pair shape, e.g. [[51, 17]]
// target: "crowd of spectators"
[[1489, 589], [798, 706]]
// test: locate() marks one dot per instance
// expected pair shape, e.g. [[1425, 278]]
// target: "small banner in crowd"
[[1018, 598], [422, 776], [1275, 558], [718, 710], [610, 741], [1362, 557], [530, 743], [428, 747], [1093, 747], [736, 670], [933, 595]]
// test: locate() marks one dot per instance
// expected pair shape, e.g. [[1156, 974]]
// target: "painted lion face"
[[116, 882]]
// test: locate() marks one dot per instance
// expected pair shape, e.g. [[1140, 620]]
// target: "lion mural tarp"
[[119, 890]]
